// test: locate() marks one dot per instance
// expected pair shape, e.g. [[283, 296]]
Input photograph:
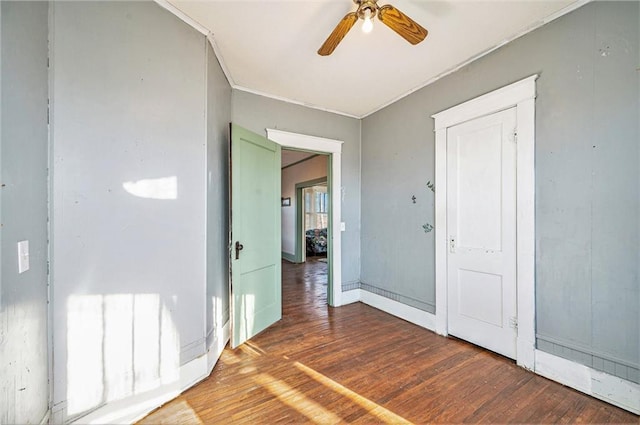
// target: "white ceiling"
[[292, 157], [269, 46]]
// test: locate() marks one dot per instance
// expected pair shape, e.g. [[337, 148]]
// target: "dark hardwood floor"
[[356, 364]]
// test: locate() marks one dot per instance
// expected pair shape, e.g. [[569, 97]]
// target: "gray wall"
[[218, 119], [397, 162], [587, 182], [24, 389], [132, 226], [256, 113], [310, 169]]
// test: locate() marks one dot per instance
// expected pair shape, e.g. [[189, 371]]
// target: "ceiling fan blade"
[[406, 27], [338, 34]]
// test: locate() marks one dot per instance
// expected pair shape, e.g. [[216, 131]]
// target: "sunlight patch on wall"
[[119, 308], [117, 346], [161, 188], [85, 329]]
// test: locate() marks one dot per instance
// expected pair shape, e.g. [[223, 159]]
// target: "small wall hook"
[[413, 198]]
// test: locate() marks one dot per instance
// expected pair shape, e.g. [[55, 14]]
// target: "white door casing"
[[520, 95], [481, 217], [334, 148]]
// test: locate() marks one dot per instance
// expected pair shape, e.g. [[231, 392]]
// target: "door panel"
[[479, 197], [481, 220], [256, 295], [478, 294]]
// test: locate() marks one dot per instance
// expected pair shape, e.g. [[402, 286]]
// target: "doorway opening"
[[306, 209], [305, 205], [332, 151]]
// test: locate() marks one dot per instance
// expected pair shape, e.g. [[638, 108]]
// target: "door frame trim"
[[520, 95], [334, 149]]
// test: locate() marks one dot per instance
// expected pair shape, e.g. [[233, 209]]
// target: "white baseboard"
[[193, 350], [287, 256], [216, 347], [58, 413], [45, 418], [134, 408], [403, 311], [350, 297], [614, 390]]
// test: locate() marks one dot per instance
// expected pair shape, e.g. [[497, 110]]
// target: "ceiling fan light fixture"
[[404, 26], [367, 25]]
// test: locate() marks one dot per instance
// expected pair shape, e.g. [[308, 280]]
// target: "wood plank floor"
[[356, 364]]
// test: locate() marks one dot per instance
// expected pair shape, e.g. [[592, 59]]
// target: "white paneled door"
[[481, 221]]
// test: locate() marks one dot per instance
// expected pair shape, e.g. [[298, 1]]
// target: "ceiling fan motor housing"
[[366, 5]]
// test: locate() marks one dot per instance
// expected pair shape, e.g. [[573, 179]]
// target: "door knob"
[[239, 247]]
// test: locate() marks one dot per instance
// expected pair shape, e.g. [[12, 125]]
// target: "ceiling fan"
[[406, 27]]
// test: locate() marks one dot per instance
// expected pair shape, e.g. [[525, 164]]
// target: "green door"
[[255, 243]]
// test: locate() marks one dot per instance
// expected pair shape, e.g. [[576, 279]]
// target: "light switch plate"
[[343, 226], [23, 256]]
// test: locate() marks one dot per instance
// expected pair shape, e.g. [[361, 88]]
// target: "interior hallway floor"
[[357, 364]]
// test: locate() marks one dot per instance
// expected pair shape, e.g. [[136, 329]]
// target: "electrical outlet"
[[23, 256]]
